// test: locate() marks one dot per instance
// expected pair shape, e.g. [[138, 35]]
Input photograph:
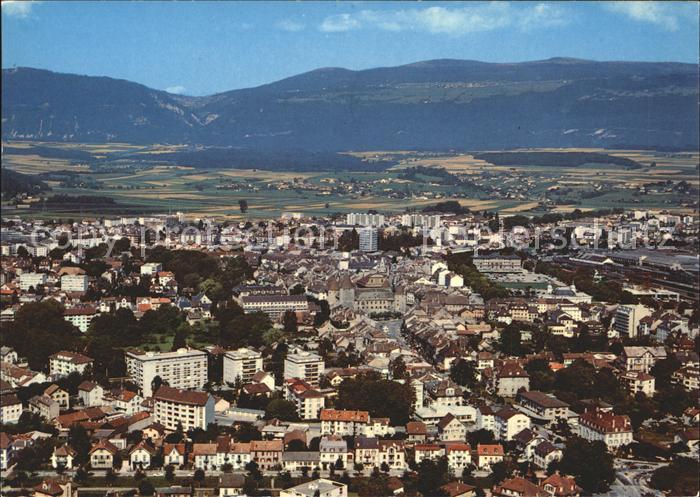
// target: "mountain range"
[[431, 105]]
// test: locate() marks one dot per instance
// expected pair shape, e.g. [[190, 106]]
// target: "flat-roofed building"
[[242, 364], [183, 368], [304, 365], [274, 305]]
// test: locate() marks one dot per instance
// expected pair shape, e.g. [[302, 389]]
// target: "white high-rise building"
[[368, 240], [420, 220], [627, 318], [184, 368], [363, 219], [304, 365], [74, 283], [31, 280], [242, 364]]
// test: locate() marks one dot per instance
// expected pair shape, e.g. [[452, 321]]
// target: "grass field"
[[142, 188]]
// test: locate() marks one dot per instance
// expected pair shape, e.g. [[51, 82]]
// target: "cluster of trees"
[[382, 398], [194, 269], [40, 330], [678, 478], [604, 291], [589, 462], [555, 159]]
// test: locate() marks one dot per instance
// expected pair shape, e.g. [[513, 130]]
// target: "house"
[[10, 408], [308, 401], [90, 393], [561, 486], [639, 382], [518, 487], [174, 454], [62, 457], [321, 487], [342, 422], [300, 461], [333, 452], [44, 406], [416, 431], [55, 488], [541, 405], [488, 454], [102, 455], [231, 484], [509, 379], [5, 450], [125, 401], [204, 456], [141, 454], [457, 489], [458, 457], [65, 363], [614, 430], [445, 393], [640, 358], [392, 454], [267, 453], [546, 453], [451, 429], [689, 437], [509, 423], [59, 395], [154, 433], [427, 451]]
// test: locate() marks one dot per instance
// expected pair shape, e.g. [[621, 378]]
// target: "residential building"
[[65, 363], [307, 399], [74, 283], [612, 429], [368, 239], [191, 409], [343, 423], [183, 368], [542, 405], [102, 455], [274, 305], [10, 409], [638, 381], [241, 364], [641, 358], [90, 393], [627, 319], [304, 365], [488, 454]]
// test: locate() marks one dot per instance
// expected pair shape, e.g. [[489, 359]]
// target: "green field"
[[147, 187]]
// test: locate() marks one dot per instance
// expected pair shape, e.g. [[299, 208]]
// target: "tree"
[[481, 436], [38, 331], [79, 440], [678, 478], [199, 476], [590, 463], [290, 322], [463, 373], [398, 368], [170, 473], [382, 398], [284, 410], [510, 341], [431, 475], [541, 375], [146, 488], [243, 205]]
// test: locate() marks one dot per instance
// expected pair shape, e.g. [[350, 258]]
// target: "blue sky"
[[200, 48]]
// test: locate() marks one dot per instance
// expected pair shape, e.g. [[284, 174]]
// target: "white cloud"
[[176, 90], [451, 21], [339, 23], [290, 25], [658, 13], [15, 8]]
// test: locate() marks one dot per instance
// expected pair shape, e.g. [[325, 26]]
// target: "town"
[[445, 352]]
